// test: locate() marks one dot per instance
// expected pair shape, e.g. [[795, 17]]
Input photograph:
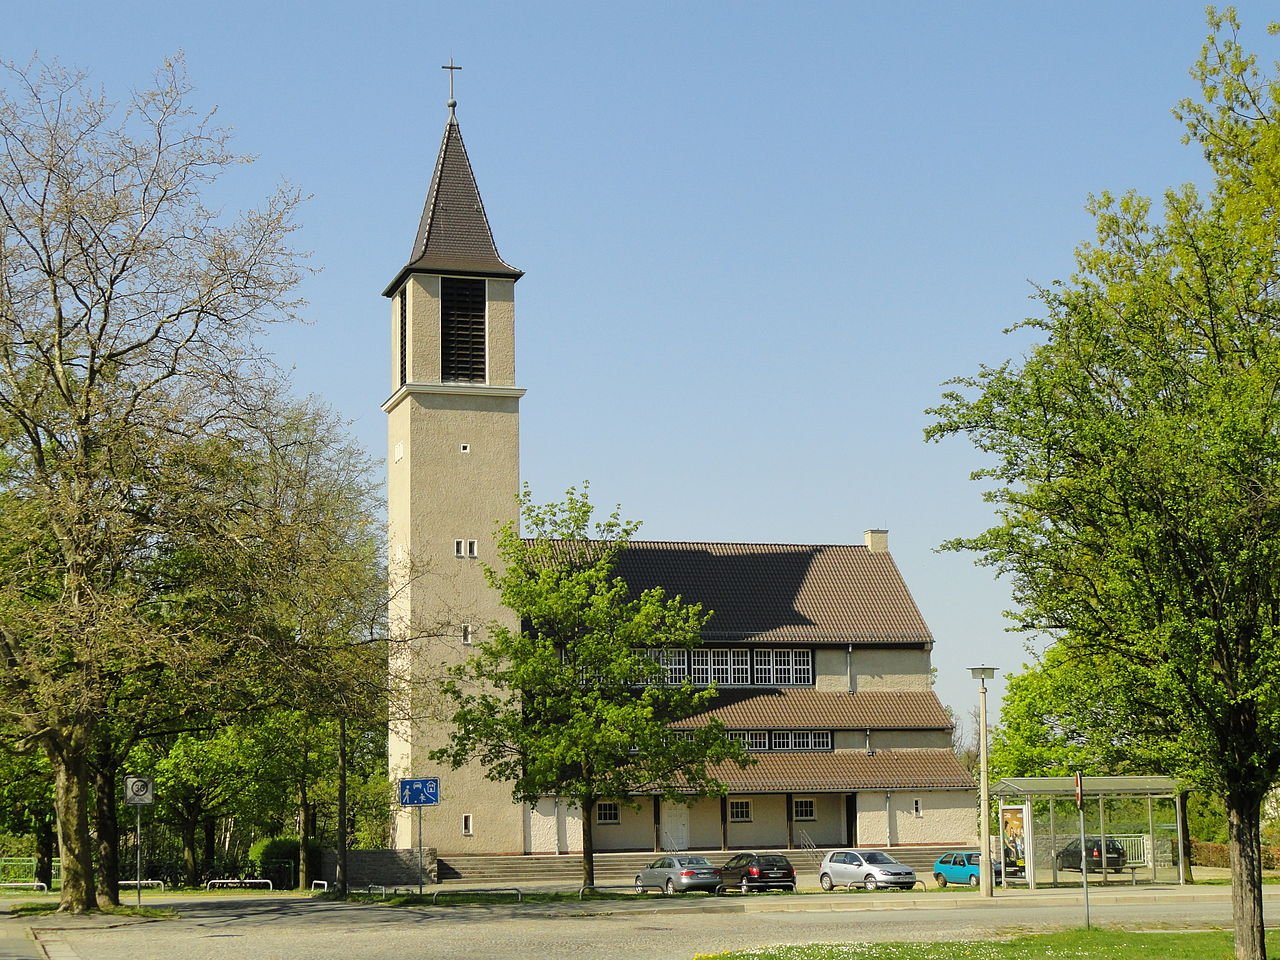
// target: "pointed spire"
[[453, 234]]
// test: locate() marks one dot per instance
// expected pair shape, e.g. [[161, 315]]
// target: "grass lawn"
[[1067, 945]]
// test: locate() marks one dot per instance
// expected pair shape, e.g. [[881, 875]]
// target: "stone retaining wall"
[[390, 868]]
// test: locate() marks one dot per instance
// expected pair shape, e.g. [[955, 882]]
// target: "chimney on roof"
[[877, 541]]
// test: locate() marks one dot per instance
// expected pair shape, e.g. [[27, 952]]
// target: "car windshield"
[[774, 862], [876, 856], [694, 862]]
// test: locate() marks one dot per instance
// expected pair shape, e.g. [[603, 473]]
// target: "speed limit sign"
[[140, 791]]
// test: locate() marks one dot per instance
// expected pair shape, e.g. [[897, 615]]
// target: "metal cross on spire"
[[451, 67]]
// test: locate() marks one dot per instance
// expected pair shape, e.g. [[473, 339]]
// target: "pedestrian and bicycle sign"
[[420, 792]]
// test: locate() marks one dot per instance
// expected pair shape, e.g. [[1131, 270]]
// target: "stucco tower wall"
[[453, 476]]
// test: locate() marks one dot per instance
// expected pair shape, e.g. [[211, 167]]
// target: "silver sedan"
[[677, 873], [869, 868]]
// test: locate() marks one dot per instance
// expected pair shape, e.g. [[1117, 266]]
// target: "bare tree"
[[128, 313]]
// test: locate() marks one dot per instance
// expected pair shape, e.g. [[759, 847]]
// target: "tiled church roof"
[[846, 771], [805, 708], [782, 593], [453, 234]]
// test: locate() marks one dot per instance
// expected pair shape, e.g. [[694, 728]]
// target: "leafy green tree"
[[572, 704], [1135, 458]]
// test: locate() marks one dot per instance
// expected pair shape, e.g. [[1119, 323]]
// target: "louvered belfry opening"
[[462, 333], [404, 336]]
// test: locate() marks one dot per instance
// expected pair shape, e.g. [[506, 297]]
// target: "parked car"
[[677, 873], [962, 866], [870, 868], [758, 871], [1068, 858]]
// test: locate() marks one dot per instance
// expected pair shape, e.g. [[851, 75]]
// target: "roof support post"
[[724, 822], [791, 823]]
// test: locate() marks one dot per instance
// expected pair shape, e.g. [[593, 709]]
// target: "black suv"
[[1068, 858], [758, 871]]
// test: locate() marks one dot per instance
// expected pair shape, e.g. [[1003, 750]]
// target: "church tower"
[[453, 474]]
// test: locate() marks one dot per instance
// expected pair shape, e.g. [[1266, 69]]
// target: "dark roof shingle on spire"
[[454, 234]]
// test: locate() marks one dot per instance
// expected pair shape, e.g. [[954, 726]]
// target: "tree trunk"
[[588, 843], [44, 829], [106, 819], [340, 876], [1244, 826], [1184, 855], [189, 866], [210, 845], [304, 838], [71, 804]]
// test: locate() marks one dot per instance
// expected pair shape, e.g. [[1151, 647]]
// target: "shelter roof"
[[1155, 786]]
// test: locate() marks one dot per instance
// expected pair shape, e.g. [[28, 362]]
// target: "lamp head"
[[983, 672]]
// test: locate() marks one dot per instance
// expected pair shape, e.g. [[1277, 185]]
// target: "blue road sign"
[[420, 792]]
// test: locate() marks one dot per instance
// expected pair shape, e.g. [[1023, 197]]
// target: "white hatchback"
[[867, 868]]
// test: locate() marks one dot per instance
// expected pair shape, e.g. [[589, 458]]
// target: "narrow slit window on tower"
[[473, 550], [404, 335], [458, 548], [462, 330], [468, 635]]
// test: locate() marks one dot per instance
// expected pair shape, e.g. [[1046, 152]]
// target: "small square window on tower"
[[459, 548], [464, 448]]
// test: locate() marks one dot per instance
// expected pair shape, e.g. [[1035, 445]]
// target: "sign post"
[[420, 792], [1084, 859], [139, 792]]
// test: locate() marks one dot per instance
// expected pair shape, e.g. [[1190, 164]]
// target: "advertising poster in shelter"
[[1013, 834]]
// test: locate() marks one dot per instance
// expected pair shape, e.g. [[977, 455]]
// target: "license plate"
[[774, 873]]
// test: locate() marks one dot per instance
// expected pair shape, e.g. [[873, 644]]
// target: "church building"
[[819, 654]]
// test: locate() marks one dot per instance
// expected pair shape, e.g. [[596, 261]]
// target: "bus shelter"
[[1040, 829]]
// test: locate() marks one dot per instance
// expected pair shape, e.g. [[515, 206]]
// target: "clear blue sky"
[[757, 237]]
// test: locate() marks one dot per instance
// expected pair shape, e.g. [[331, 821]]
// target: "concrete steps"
[[620, 868]]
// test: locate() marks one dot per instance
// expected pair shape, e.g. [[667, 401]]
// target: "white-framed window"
[[738, 736], [821, 740], [796, 740], [801, 740], [464, 448], [740, 667], [466, 825], [782, 667], [757, 739], [473, 549], [802, 666], [459, 548], [720, 667], [764, 667], [468, 635], [781, 740], [675, 663], [739, 811], [802, 809], [700, 667], [608, 812], [917, 808]]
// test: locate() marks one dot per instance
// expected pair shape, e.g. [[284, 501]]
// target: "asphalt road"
[[283, 927]]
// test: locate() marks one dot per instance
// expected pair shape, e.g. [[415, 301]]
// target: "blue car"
[[960, 866]]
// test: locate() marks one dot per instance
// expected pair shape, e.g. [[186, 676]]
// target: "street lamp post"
[[982, 674]]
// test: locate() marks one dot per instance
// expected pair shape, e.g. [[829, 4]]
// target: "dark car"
[[758, 871], [677, 873], [1068, 858]]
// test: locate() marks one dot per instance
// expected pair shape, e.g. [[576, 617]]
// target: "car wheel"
[[744, 886], [825, 882], [639, 885], [671, 887], [940, 879], [973, 879], [870, 882]]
